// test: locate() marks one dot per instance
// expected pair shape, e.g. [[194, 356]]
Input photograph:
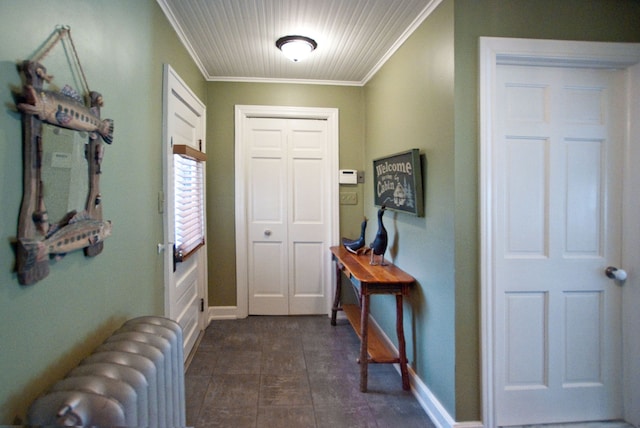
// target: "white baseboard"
[[431, 405], [438, 414], [222, 313], [340, 315], [231, 313]]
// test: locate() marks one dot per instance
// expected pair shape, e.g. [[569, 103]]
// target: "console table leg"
[[401, 343], [336, 299], [364, 350]]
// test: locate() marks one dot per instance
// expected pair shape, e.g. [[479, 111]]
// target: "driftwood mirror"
[[63, 140]]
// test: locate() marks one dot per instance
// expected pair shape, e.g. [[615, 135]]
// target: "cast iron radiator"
[[135, 378]]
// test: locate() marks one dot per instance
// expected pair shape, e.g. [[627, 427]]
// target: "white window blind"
[[188, 172]]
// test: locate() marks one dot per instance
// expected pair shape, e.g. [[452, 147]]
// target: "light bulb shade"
[[296, 48]]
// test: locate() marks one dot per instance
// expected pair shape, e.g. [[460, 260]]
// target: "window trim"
[[199, 157]]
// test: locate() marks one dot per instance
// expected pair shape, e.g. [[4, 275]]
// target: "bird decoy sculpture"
[[379, 244], [355, 245]]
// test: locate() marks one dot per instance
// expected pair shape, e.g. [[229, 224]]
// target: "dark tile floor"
[[291, 372]]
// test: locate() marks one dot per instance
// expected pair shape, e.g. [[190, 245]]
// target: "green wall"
[[46, 328], [592, 20], [426, 97], [222, 97], [409, 104]]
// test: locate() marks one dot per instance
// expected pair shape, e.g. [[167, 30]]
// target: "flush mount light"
[[296, 48]]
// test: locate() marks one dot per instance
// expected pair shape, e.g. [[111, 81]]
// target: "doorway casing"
[[495, 51], [242, 113]]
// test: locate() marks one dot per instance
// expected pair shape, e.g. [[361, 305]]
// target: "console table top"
[[358, 266]]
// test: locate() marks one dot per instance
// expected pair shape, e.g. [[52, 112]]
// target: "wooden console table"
[[367, 280]]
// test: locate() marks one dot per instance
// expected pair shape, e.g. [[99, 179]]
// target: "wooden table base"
[[368, 280]]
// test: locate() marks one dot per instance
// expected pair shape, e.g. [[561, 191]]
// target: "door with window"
[[557, 156], [183, 208]]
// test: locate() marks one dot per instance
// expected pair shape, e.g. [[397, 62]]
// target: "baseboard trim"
[[231, 313], [427, 400], [222, 313]]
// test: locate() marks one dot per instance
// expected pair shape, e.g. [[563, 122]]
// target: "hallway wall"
[[47, 327], [426, 96], [222, 97]]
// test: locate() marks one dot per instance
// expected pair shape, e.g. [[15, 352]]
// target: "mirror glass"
[[65, 176]]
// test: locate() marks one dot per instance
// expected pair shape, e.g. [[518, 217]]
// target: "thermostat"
[[348, 176]]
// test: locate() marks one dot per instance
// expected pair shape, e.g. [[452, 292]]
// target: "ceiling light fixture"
[[296, 48]]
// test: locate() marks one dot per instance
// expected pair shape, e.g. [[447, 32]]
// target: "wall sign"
[[397, 182]]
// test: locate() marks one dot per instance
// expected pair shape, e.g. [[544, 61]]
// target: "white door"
[[557, 167], [185, 282], [287, 215]]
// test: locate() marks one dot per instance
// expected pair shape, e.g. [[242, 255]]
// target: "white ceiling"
[[234, 40]]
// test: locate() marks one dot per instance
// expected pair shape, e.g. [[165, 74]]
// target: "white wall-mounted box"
[[348, 176]]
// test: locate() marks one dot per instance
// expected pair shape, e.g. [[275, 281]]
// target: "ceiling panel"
[[235, 39]]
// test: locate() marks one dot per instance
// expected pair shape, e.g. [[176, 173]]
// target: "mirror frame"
[[38, 239]]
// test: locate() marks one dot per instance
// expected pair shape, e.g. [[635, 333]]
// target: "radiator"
[[134, 378]]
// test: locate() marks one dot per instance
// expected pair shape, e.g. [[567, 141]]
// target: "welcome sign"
[[397, 181]]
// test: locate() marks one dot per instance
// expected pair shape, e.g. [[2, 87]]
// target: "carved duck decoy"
[[379, 244], [354, 245]]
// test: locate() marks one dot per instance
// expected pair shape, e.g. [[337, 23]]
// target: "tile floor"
[[291, 372]]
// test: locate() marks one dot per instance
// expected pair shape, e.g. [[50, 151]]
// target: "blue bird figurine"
[[355, 245], [379, 244]]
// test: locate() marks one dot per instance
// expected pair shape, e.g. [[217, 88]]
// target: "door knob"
[[267, 232], [615, 273]]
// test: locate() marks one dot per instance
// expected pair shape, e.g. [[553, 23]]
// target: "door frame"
[[494, 51], [242, 114], [173, 83]]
